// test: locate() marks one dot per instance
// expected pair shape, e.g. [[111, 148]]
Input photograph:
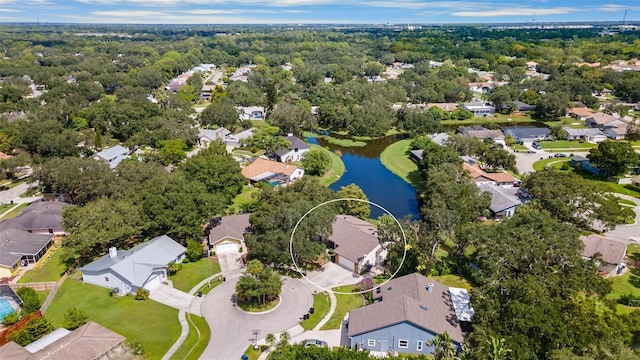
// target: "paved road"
[[524, 161], [231, 328], [13, 193], [628, 233]]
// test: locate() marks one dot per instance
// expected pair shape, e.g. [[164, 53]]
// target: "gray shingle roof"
[[234, 226], [353, 237], [500, 198], [404, 300], [16, 243], [296, 143], [41, 215], [612, 250], [217, 134], [113, 155], [526, 131], [582, 132], [136, 264]]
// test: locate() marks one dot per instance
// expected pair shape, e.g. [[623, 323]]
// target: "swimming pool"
[[5, 308]]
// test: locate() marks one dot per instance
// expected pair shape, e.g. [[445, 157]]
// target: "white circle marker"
[[404, 238]]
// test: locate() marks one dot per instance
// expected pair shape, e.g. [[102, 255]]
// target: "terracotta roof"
[[262, 166], [476, 172], [405, 299], [612, 250], [353, 237], [234, 226]]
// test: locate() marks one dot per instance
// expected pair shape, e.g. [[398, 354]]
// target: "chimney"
[[113, 252], [430, 287]]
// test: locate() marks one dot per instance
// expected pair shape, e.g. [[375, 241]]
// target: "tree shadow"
[[634, 278], [416, 180]]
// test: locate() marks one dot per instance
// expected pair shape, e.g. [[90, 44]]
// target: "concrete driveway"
[[331, 275], [173, 297], [231, 265], [231, 328]]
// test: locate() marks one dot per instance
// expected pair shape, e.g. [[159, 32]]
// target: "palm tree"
[[442, 347], [270, 339], [284, 338], [499, 350]]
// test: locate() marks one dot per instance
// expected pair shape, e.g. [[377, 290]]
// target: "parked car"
[[536, 146], [560, 155], [315, 342]]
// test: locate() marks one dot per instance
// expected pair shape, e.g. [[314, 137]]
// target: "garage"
[[346, 263], [227, 247], [155, 280]]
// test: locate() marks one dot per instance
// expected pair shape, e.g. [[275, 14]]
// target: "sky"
[[315, 11]]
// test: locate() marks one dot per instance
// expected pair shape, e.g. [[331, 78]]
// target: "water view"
[[363, 168]]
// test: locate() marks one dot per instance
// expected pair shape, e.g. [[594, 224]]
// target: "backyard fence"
[[21, 324]]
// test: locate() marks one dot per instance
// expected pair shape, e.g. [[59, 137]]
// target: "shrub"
[[30, 301], [365, 284], [173, 267], [135, 347], [10, 319], [565, 166], [34, 330], [194, 250], [74, 318], [142, 294]]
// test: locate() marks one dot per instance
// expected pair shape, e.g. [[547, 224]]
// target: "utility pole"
[[624, 17]]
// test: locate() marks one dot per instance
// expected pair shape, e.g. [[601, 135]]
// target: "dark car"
[[560, 155], [315, 342]]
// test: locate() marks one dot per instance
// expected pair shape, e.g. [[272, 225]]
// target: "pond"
[[363, 168]]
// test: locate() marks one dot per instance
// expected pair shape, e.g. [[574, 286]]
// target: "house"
[[616, 133], [504, 201], [407, 313], [480, 132], [446, 107], [599, 120], [90, 341], [440, 138], [19, 248], [480, 177], [355, 243], [251, 112], [207, 136], [591, 135], [522, 134], [113, 155], [584, 164], [523, 107], [275, 173], [479, 108], [40, 217], [612, 252], [532, 65], [237, 140], [580, 113], [416, 155], [226, 234], [143, 266], [295, 151]]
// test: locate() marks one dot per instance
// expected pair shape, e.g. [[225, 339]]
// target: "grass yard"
[[254, 354], [52, 270], [392, 131], [247, 153], [192, 273], [321, 305], [246, 197], [152, 324], [629, 283], [453, 281], [519, 147], [42, 295], [497, 118], [15, 212], [215, 282], [337, 167], [566, 145], [396, 159], [345, 303], [541, 164], [197, 339]]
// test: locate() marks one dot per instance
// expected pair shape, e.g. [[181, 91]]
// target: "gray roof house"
[[113, 155], [251, 112], [479, 108], [407, 313], [41, 217], [143, 266], [17, 246], [295, 151], [504, 201], [591, 135], [612, 252], [226, 234], [206, 136], [440, 138], [236, 140], [480, 132], [356, 243], [527, 133]]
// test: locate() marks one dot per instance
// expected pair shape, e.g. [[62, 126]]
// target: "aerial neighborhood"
[[357, 192]]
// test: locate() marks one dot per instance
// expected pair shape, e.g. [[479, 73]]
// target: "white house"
[[113, 155], [236, 140], [206, 136], [251, 112], [143, 266], [616, 133], [480, 108], [355, 243], [592, 135], [295, 151]]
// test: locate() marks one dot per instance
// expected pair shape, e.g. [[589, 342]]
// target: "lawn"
[[15, 212], [566, 145], [396, 159], [337, 166], [541, 164], [42, 295], [215, 282], [194, 272], [152, 324], [197, 339], [345, 303], [246, 197], [629, 283], [519, 147], [453, 281], [52, 270], [254, 354], [498, 118], [321, 305]]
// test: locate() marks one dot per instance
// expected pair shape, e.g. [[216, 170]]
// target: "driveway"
[[231, 329], [524, 161], [231, 265], [330, 275], [173, 297]]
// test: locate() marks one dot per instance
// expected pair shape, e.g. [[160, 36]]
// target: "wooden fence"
[[21, 324], [37, 286]]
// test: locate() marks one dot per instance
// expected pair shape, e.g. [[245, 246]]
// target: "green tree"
[[260, 288], [74, 318], [221, 113], [10, 319], [316, 162], [35, 329], [171, 151], [30, 301], [194, 251], [614, 157], [270, 340], [360, 209], [216, 169]]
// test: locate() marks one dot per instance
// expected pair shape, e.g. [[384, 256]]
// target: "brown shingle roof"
[[602, 118], [261, 166], [353, 237], [477, 174], [234, 226], [401, 302], [581, 111], [612, 250]]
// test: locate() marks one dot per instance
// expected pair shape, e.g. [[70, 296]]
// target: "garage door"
[[345, 263], [153, 282], [227, 248]]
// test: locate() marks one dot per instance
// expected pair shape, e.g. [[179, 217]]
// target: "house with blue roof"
[[143, 266], [113, 155]]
